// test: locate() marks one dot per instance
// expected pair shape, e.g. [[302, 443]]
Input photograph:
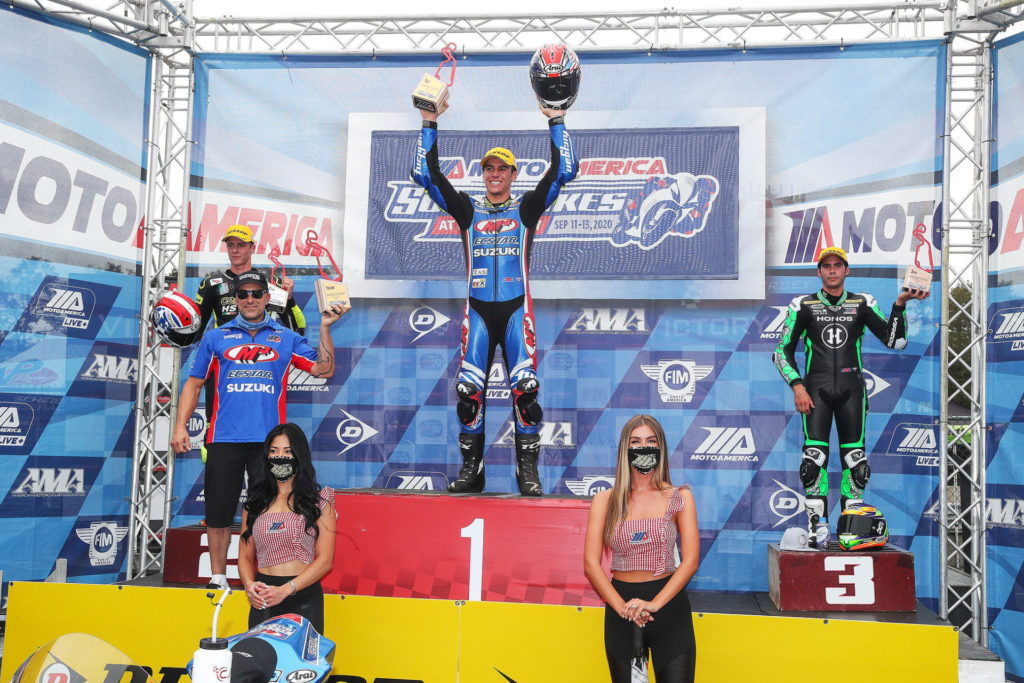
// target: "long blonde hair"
[[617, 505]]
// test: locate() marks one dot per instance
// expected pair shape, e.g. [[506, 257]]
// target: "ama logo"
[[609, 321], [67, 307], [108, 371], [47, 486]]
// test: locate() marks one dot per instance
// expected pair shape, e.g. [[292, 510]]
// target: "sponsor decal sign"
[[67, 307], [109, 370], [668, 193], [730, 440], [910, 436], [23, 417], [49, 486]]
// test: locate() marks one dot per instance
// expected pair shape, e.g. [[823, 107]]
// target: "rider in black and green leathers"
[[831, 324]]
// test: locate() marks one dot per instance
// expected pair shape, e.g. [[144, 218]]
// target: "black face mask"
[[643, 458], [282, 469]]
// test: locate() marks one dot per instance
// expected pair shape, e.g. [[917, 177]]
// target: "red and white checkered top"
[[647, 544], [282, 537]]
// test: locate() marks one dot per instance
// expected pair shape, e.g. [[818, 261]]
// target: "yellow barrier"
[[441, 641]]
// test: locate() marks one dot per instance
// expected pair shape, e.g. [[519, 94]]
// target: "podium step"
[[836, 580]]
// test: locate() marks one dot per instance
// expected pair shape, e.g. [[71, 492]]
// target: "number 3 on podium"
[[858, 572]]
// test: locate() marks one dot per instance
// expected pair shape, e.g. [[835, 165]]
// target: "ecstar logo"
[[111, 368], [15, 422], [251, 353], [609, 320], [102, 539], [352, 431], [51, 481], [590, 485], [425, 320], [677, 378]]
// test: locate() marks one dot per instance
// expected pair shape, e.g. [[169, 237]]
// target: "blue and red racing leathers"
[[497, 241]]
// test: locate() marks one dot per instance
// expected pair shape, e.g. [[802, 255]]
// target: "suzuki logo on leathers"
[[251, 353], [497, 225]]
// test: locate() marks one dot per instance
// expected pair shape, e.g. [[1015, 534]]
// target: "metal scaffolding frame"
[[173, 36]]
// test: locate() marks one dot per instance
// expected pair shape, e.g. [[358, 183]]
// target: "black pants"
[[669, 637], [308, 602]]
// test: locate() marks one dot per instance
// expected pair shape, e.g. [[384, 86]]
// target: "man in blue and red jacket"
[[497, 235]]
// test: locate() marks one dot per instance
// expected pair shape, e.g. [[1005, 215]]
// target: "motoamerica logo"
[[735, 444], [886, 228], [417, 481], [553, 434], [1008, 324], [677, 378], [74, 305], [15, 422], [609, 320], [621, 200], [300, 380]]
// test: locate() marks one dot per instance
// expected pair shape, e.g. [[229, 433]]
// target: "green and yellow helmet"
[[862, 526]]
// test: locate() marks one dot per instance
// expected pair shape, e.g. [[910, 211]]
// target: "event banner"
[[639, 305], [72, 131]]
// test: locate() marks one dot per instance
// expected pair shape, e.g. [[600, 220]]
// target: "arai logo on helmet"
[[251, 353], [302, 676]]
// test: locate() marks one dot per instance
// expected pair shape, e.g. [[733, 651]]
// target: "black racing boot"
[[527, 450], [471, 476]]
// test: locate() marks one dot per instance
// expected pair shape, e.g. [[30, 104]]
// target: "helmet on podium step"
[[862, 526]]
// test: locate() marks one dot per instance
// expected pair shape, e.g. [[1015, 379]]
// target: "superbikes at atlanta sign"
[[656, 203]]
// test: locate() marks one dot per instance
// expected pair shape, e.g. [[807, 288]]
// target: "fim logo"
[[425, 320], [51, 481], [73, 304], [300, 380], [733, 444], [1010, 329], [590, 485], [352, 431], [417, 481], [196, 427], [609, 320], [552, 435], [110, 368], [677, 378], [15, 422], [918, 440], [785, 503], [102, 539]]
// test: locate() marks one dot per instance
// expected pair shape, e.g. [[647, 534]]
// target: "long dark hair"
[[305, 496]]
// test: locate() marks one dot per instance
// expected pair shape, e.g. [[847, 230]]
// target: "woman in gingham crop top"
[[639, 521], [288, 531]]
